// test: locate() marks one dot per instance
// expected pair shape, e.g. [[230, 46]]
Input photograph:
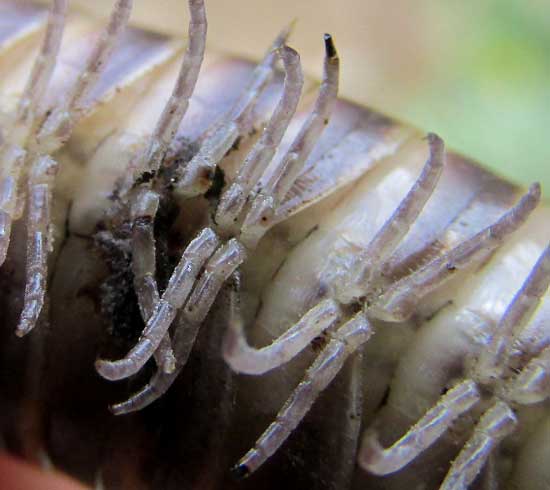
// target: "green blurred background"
[[476, 72], [489, 86]]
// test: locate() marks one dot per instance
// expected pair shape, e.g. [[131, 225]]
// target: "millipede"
[[218, 274]]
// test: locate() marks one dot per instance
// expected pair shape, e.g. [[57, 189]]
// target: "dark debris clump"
[[119, 301]]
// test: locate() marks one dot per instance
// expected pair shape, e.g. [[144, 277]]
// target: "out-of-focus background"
[[475, 71]]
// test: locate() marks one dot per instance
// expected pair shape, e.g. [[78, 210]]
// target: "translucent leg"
[[164, 355], [382, 461], [41, 181], [196, 177], [257, 160], [498, 422], [152, 391], [160, 381], [170, 119], [13, 160], [243, 358], [399, 301], [261, 76], [145, 206], [60, 122], [493, 359], [100, 55], [218, 269], [173, 298], [345, 341], [272, 192], [399, 223], [371, 260], [178, 103], [41, 72], [532, 385]]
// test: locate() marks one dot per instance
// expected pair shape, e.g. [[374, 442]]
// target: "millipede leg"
[[40, 192], [173, 298], [498, 422], [288, 169], [345, 341], [400, 300], [494, 358], [243, 358], [144, 209], [59, 124], [382, 461], [234, 198], [195, 177]]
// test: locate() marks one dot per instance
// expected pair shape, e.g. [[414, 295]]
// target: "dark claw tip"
[[240, 471], [329, 46]]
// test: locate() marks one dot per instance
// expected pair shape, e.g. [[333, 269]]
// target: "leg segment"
[[145, 204], [177, 105], [100, 55], [498, 422], [345, 341], [164, 355], [218, 269], [157, 386], [152, 391], [374, 458], [234, 198], [144, 210], [40, 191], [196, 177], [399, 301], [62, 119], [13, 160], [272, 192], [532, 385], [41, 72], [397, 226], [243, 358], [170, 119], [177, 291], [493, 360]]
